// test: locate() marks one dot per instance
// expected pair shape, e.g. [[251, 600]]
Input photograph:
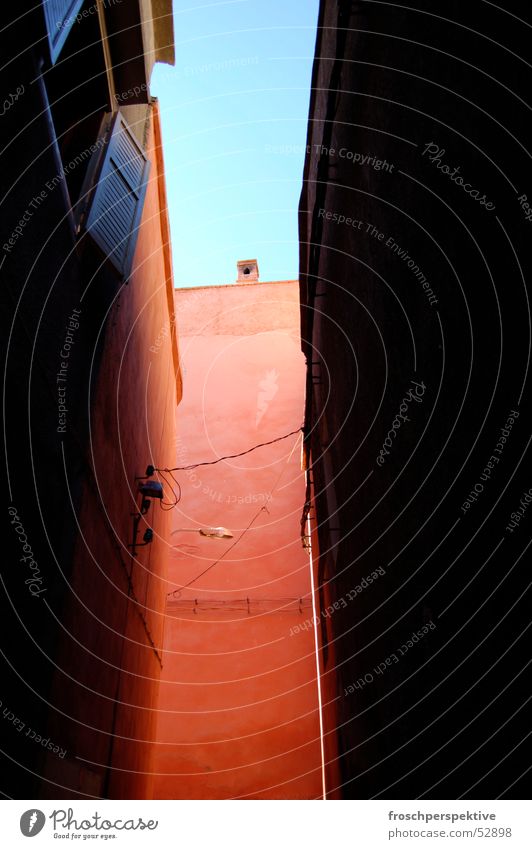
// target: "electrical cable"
[[227, 550], [169, 505], [230, 456], [177, 592]]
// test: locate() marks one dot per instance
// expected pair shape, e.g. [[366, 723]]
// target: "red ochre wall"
[[106, 690], [238, 710]]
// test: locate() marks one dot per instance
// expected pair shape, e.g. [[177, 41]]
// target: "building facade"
[[91, 383], [239, 709], [416, 333]]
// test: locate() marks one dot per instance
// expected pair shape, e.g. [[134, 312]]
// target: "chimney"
[[247, 271]]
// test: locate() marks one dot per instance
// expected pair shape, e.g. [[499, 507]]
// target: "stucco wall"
[[239, 703], [409, 274], [107, 683]]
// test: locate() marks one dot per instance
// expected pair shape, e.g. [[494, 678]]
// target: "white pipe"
[[317, 653]]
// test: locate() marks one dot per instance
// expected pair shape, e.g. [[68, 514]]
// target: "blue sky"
[[234, 120]]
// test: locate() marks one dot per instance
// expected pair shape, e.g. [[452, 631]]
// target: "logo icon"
[[32, 822], [268, 388]]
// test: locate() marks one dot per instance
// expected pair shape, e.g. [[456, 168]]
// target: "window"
[[59, 15], [78, 97], [115, 204]]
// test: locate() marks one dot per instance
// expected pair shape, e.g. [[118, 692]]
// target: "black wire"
[[229, 456], [169, 505], [177, 592], [227, 550]]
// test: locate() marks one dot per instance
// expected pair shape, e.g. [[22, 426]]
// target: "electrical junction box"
[[151, 489]]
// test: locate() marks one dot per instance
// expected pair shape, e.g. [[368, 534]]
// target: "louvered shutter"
[[116, 205], [60, 16]]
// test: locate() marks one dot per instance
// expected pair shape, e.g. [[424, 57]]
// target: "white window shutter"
[[60, 16], [116, 205]]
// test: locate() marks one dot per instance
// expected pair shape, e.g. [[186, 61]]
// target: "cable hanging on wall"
[[177, 592], [174, 487], [229, 456]]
